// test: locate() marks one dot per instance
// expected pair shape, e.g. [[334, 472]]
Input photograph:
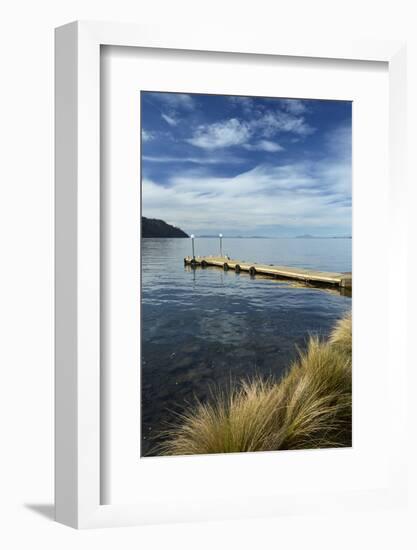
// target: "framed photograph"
[[262, 178], [228, 213]]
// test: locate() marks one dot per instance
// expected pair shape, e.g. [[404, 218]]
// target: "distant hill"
[[307, 236], [159, 228]]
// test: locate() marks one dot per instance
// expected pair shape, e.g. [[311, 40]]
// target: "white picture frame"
[[78, 259]]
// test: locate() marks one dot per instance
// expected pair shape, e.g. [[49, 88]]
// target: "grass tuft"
[[341, 336], [310, 407]]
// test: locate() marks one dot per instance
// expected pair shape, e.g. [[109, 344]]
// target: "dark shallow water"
[[205, 327]]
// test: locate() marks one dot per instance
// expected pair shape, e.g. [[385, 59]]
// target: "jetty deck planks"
[[343, 280]]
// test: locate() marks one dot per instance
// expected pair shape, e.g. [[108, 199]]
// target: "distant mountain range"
[[233, 237], [159, 228], [153, 228], [265, 237], [307, 236]]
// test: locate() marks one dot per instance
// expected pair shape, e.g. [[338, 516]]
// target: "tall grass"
[[310, 407], [341, 336]]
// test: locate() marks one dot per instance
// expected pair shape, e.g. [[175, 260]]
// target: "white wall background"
[[26, 273]]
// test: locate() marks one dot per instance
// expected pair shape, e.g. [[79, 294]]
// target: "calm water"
[[206, 326]]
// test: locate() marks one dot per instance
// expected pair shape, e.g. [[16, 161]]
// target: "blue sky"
[[247, 165]]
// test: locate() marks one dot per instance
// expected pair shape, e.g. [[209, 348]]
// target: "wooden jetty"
[[324, 278]]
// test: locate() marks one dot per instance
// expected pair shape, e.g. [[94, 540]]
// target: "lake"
[[206, 327]]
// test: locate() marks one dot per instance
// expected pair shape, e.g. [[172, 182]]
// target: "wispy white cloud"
[[241, 100], [305, 194], [294, 106], [248, 105], [174, 100], [169, 119], [266, 125], [339, 141], [220, 134], [217, 159], [264, 145], [273, 122], [147, 135]]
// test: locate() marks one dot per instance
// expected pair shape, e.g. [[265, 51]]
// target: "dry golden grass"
[[310, 407], [341, 336]]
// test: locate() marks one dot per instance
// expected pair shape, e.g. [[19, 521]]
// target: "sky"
[[247, 166]]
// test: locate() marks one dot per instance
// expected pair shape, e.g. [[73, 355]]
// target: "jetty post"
[[221, 245], [192, 244]]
